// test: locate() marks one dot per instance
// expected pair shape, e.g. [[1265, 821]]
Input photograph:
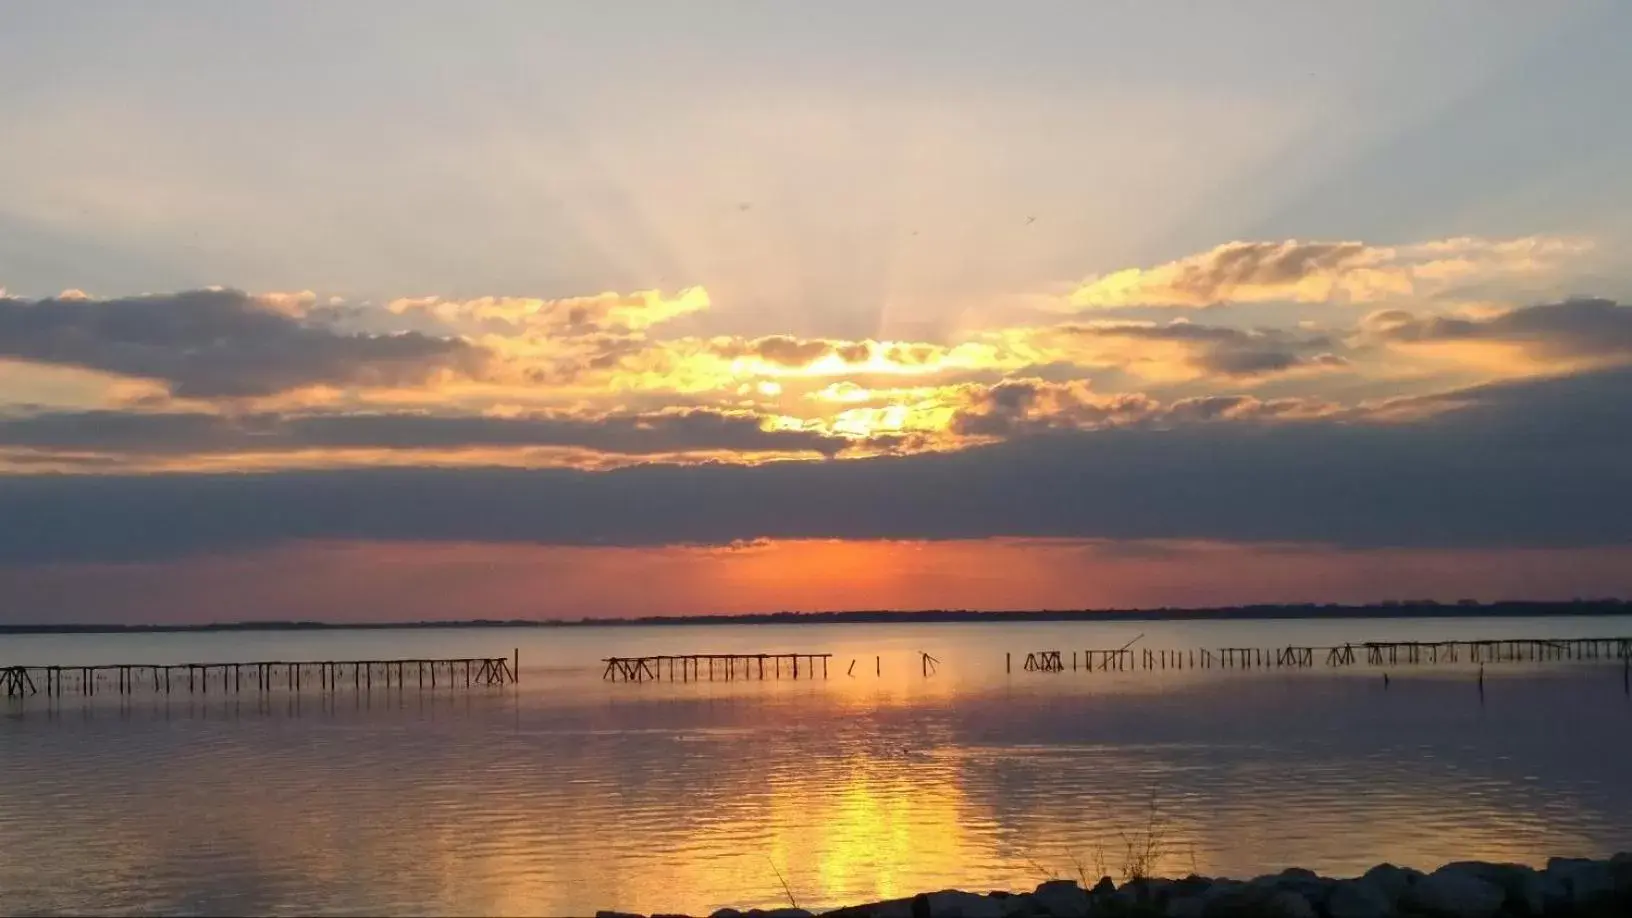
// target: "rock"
[[1300, 873], [1454, 893], [1620, 867], [611, 914], [726, 913], [1061, 899], [1521, 884], [1019, 907], [1391, 881], [1231, 898], [1191, 886], [1186, 907], [887, 908], [1147, 890], [1310, 885], [1104, 887], [1584, 882], [954, 903], [1358, 899], [1288, 904], [779, 913]]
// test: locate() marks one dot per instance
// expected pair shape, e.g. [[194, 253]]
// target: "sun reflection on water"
[[574, 795]]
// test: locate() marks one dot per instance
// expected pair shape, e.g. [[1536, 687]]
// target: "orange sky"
[[506, 336], [398, 582]]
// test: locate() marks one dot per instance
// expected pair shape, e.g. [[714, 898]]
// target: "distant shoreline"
[[1397, 610]]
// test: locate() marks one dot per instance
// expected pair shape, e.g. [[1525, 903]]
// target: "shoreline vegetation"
[[1290, 611], [1574, 887]]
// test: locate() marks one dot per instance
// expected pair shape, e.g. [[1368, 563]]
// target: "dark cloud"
[[219, 343], [1539, 464], [1575, 328], [1219, 350], [1022, 407], [1247, 362], [1016, 407], [180, 434], [788, 351]]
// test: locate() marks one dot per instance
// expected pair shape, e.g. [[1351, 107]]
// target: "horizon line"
[[1426, 608]]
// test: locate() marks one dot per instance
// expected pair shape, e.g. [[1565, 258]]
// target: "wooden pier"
[[696, 667], [259, 676], [1364, 653]]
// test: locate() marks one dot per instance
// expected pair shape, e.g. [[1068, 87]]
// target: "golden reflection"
[[688, 798]]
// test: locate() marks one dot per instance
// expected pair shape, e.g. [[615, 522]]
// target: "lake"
[[565, 794]]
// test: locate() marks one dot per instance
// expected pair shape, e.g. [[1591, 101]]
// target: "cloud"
[[1321, 272], [1180, 349], [791, 352], [1029, 406], [1024, 407], [1571, 331], [188, 434], [1537, 464], [606, 312], [221, 344]]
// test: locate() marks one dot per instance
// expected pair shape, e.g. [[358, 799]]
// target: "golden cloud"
[[1321, 272], [605, 312]]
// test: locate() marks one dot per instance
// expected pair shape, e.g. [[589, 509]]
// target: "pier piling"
[[732, 666], [1369, 653], [129, 678]]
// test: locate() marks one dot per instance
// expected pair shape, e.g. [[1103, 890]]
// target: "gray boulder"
[[1186, 907], [1285, 903], [1620, 867], [1061, 899], [1391, 881], [889, 908], [1523, 886], [1358, 899], [1579, 882], [1450, 892], [1310, 885], [1147, 890], [955, 903]]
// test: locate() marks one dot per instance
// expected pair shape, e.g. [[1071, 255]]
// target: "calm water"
[[566, 794]]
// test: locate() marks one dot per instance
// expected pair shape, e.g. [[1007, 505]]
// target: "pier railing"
[[260, 676], [1362, 653], [693, 667]]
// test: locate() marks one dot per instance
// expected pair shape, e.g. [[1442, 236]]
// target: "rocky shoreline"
[[1574, 887]]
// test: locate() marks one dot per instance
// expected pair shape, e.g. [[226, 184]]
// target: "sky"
[[400, 311]]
